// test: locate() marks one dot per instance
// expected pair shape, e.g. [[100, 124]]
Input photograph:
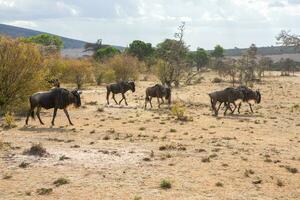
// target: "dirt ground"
[[125, 152]]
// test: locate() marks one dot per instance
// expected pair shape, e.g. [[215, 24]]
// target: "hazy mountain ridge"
[[14, 31]]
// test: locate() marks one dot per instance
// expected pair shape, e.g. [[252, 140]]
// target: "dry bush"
[[178, 110], [56, 67], [78, 72], [125, 67], [36, 150], [9, 121], [104, 74], [21, 73]]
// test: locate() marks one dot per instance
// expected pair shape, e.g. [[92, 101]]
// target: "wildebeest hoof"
[[71, 124]]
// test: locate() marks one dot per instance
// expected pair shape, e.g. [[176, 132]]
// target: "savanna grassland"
[[115, 152]]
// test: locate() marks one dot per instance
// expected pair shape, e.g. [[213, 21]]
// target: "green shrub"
[[165, 184]]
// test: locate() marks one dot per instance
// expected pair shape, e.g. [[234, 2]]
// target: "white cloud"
[[227, 22], [23, 23], [7, 3]]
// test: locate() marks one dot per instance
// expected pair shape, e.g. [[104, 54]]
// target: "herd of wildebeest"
[[60, 98]]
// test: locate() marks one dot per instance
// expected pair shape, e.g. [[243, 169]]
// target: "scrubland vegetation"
[[27, 63], [126, 152]]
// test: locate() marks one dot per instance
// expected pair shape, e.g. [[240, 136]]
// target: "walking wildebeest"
[[57, 98], [121, 87], [226, 96], [158, 91], [250, 97]]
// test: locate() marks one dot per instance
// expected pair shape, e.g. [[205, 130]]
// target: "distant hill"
[[69, 43], [264, 51], [14, 32]]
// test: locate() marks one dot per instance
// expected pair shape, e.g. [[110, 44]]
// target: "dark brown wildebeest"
[[121, 87], [54, 83], [226, 96], [158, 91], [57, 98], [250, 97]]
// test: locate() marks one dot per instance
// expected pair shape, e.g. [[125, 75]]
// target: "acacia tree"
[[140, 49], [198, 58], [231, 69], [50, 43], [104, 53], [286, 38], [173, 52], [264, 63], [217, 62]]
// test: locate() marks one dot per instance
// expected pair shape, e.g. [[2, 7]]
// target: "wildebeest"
[[121, 87], [158, 91], [57, 98], [226, 96], [250, 97], [54, 82]]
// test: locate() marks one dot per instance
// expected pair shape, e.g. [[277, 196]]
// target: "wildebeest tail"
[[32, 111], [147, 96]]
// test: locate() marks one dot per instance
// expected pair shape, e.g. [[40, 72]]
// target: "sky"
[[230, 23]]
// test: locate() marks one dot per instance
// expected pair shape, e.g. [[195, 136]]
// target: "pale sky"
[[230, 23]]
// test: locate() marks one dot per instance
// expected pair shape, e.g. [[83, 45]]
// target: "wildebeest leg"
[[38, 114], [146, 101], [235, 106], [250, 107], [150, 100], [54, 115], [125, 99], [107, 97], [213, 106], [158, 102], [239, 107], [227, 107], [162, 99], [30, 112], [67, 114], [113, 96], [217, 110]]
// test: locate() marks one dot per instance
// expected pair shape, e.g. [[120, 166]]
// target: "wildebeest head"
[[132, 86], [54, 82], [258, 96], [77, 101]]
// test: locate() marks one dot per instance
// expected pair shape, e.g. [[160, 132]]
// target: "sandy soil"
[[118, 153]]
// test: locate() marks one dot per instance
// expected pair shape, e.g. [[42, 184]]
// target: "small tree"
[[105, 53], [199, 58], [140, 49], [217, 59], [51, 43], [264, 64], [231, 69], [174, 53], [287, 65], [125, 67], [78, 72]]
